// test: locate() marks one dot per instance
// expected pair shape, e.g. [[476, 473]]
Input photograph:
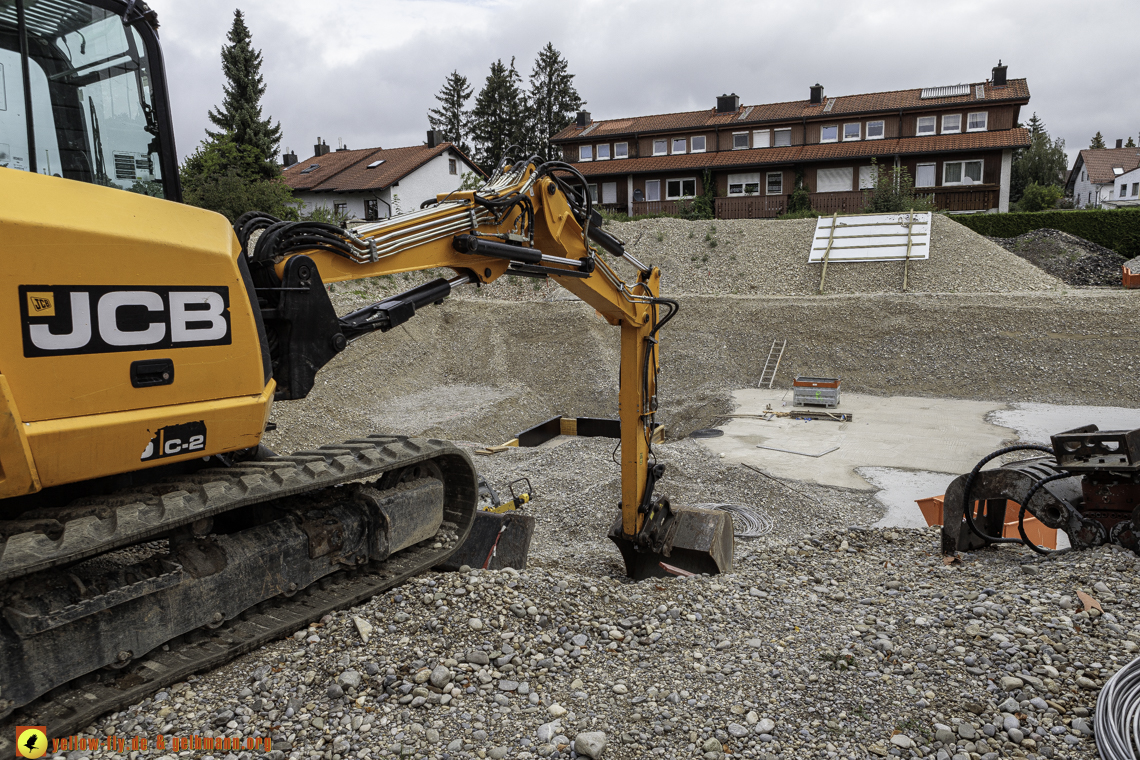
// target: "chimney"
[[288, 158], [1119, 143], [340, 144], [435, 138], [583, 119], [999, 74], [320, 148], [816, 94], [728, 103]]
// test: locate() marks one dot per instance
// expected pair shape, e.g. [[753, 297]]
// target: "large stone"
[[349, 679], [902, 740], [477, 657], [1011, 683], [440, 676], [590, 743]]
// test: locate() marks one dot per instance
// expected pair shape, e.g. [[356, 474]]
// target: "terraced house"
[[956, 142]]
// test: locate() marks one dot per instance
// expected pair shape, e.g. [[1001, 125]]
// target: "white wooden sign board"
[[872, 237]]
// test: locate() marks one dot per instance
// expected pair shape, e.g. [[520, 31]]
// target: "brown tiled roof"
[[725, 159], [1100, 163], [1017, 90], [347, 170]]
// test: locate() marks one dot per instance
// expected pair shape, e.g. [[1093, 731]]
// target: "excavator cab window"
[[82, 95]]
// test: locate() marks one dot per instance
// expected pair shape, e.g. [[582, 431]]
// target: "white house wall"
[[1083, 190]]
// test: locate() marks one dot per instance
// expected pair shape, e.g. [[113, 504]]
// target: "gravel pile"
[[766, 257], [1073, 260], [851, 643]]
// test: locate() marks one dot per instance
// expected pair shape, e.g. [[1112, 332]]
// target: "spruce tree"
[[452, 117], [498, 119], [1036, 125], [239, 118], [1097, 142], [1043, 163], [1131, 143], [553, 100]]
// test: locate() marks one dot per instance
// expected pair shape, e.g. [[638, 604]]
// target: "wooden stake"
[[906, 260], [827, 252]]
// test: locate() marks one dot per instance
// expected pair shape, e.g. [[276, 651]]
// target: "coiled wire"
[[746, 521], [1118, 715]]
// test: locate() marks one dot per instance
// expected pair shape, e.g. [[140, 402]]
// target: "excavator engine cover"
[[693, 540]]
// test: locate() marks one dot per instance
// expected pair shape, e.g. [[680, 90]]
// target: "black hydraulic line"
[[394, 311], [478, 246], [1029, 497], [968, 507], [22, 30]]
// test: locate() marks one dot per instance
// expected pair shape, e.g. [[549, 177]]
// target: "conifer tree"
[[1043, 163], [239, 118], [553, 100], [498, 119], [452, 117], [1131, 143], [1097, 142]]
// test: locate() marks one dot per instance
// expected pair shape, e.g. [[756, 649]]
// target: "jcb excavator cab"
[[82, 94]]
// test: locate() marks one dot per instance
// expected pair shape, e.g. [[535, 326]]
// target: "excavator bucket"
[[688, 541]]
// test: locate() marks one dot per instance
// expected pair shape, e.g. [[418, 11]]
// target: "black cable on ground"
[[1118, 715], [968, 489], [1029, 497]]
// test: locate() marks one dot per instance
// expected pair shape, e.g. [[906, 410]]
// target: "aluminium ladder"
[[772, 363]]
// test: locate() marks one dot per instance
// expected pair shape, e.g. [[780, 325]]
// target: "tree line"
[[507, 117]]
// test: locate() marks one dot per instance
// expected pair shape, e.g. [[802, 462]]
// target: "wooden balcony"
[[971, 198], [751, 207], [641, 208]]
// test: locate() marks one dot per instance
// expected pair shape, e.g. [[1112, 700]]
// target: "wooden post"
[[827, 251], [906, 259]]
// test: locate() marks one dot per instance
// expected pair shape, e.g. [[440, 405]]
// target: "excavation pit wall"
[[481, 370]]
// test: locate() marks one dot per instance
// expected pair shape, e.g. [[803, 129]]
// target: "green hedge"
[[1118, 229]]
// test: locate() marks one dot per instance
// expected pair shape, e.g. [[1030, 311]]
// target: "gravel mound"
[[764, 257], [1073, 260], [770, 257], [852, 643]]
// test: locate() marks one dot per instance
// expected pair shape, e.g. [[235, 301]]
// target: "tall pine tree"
[[1097, 142], [1043, 163], [498, 119], [239, 118], [553, 100], [452, 117]]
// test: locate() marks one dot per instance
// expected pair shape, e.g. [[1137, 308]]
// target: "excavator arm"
[[531, 219]]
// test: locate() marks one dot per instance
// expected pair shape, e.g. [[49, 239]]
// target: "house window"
[[1084, 176], [621, 150], [680, 188], [868, 176], [452, 166], [593, 192], [609, 192], [976, 122], [739, 140], [680, 145], [697, 144], [761, 138], [744, 184], [1136, 188], [834, 180], [874, 130], [775, 183], [925, 175], [951, 123], [961, 172], [371, 209], [585, 152], [829, 133], [660, 147], [926, 124], [783, 137], [603, 152], [340, 209], [852, 131], [1123, 190], [652, 189]]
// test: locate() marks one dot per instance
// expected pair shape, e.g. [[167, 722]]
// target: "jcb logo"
[[93, 320]]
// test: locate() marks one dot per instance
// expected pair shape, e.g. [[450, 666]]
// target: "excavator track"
[[311, 548]]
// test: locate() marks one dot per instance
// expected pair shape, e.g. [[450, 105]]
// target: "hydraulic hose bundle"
[[1118, 715]]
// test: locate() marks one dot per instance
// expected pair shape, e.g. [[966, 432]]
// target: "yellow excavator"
[[145, 532]]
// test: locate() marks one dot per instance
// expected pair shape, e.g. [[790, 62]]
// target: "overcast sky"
[[366, 72]]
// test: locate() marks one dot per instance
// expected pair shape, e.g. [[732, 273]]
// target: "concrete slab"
[[924, 434]]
